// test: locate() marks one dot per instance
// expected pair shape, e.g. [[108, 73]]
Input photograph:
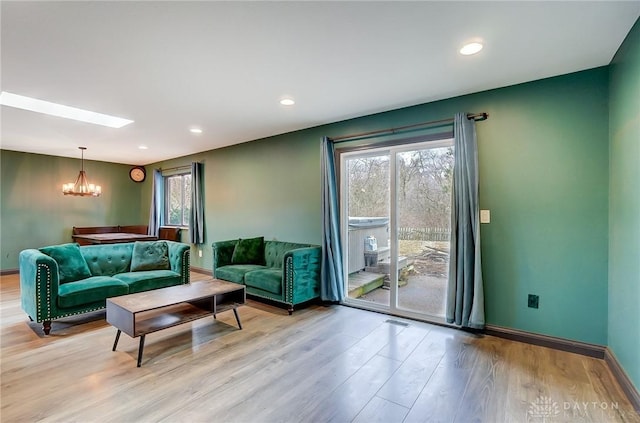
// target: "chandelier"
[[82, 187]]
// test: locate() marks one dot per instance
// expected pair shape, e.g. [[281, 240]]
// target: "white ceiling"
[[223, 66]]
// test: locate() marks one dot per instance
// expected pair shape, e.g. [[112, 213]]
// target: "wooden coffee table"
[[150, 311]]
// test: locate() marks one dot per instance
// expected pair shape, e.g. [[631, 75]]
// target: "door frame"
[[397, 146]]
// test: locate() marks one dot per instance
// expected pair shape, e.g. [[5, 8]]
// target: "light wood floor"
[[321, 364]]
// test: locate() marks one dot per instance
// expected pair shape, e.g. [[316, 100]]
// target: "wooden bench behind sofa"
[[95, 230], [130, 229], [135, 229]]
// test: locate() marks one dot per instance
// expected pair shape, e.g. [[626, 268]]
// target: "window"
[[178, 199]]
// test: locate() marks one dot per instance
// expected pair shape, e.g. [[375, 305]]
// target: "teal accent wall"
[[35, 213], [544, 176], [544, 157], [624, 205]]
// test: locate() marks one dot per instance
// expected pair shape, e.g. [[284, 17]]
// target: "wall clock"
[[137, 173]]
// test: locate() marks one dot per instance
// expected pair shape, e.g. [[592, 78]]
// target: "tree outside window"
[[178, 199], [424, 186]]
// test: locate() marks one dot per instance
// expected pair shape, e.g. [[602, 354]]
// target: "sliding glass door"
[[396, 206], [367, 219]]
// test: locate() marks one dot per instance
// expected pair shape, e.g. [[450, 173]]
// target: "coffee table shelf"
[[146, 312], [152, 321]]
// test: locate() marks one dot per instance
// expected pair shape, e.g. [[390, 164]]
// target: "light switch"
[[199, 253], [485, 216]]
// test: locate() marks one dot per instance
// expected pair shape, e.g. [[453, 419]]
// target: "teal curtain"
[[196, 216], [156, 212], [332, 280], [465, 292]]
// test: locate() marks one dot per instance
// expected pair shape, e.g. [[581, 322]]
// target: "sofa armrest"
[[39, 283], [222, 253], [301, 274], [179, 259]]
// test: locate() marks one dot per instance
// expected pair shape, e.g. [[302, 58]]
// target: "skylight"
[[54, 109]]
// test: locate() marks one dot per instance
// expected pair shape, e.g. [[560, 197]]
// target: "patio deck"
[[363, 282]]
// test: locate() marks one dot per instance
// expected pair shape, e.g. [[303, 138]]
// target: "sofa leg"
[[46, 326], [290, 310]]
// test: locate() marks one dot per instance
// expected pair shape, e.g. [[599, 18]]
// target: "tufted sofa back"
[[274, 252], [108, 259]]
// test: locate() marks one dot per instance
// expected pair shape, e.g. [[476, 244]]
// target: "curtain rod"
[[175, 168], [478, 117]]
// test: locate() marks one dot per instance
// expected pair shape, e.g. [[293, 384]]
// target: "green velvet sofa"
[[284, 272], [68, 279]]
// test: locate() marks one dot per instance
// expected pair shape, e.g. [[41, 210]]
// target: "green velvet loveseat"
[[68, 279], [284, 272]]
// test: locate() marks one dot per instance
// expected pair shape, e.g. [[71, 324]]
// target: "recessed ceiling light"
[[471, 48], [195, 130], [143, 147], [59, 110], [287, 102]]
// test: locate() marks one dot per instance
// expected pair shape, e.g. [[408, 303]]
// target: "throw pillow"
[[71, 263], [150, 255], [249, 251]]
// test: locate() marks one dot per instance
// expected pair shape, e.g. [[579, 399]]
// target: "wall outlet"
[[200, 253], [533, 301]]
